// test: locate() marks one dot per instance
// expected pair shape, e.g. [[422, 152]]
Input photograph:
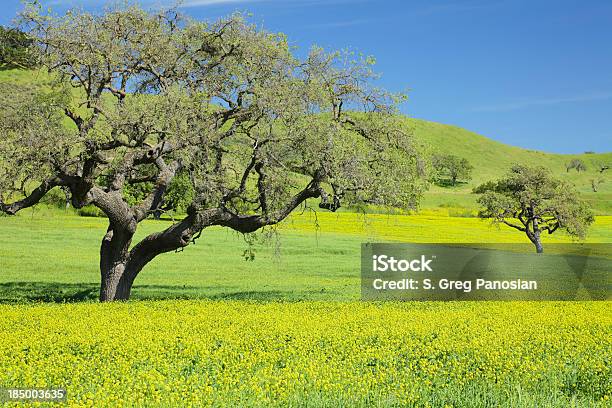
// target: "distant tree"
[[601, 167], [576, 164], [15, 49], [248, 131], [451, 168], [595, 182], [530, 200]]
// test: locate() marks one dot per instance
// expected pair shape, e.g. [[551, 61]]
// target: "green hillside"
[[490, 159]]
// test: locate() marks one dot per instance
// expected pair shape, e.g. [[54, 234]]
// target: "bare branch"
[[251, 223], [32, 199], [518, 227], [154, 199]]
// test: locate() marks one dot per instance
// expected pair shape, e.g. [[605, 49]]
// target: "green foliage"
[[34, 135], [540, 202], [180, 194], [57, 198], [177, 198], [450, 169], [249, 122], [15, 49], [490, 159], [90, 211], [134, 193]]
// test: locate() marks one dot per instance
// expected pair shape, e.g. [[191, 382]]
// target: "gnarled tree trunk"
[[115, 279], [537, 241], [534, 235], [114, 284], [120, 265]]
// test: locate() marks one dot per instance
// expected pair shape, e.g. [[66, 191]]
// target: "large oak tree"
[[141, 97]]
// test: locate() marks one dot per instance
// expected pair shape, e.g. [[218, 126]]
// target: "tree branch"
[[154, 199], [550, 228], [181, 234], [32, 199], [251, 223], [176, 236], [518, 227], [261, 188]]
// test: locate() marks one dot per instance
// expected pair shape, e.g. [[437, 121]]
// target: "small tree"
[[595, 182], [530, 200], [451, 168], [601, 167], [576, 164], [15, 49], [255, 131]]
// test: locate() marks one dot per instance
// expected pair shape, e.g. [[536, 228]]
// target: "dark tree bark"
[[536, 240], [538, 245], [532, 227], [535, 232], [114, 252], [119, 266]]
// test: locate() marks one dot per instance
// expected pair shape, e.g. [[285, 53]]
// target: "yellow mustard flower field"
[[239, 353]]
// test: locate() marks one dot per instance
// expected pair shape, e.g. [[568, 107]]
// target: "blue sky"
[[535, 74]]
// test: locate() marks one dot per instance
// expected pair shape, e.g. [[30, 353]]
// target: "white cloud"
[[200, 3], [184, 3], [528, 103], [340, 24]]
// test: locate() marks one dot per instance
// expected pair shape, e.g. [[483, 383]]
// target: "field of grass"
[[303, 262], [491, 159], [286, 329]]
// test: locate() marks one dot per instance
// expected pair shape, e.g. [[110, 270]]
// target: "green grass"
[[491, 159], [286, 329], [54, 257]]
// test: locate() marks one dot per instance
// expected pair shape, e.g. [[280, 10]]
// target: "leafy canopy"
[[531, 200], [140, 97], [451, 168], [15, 49]]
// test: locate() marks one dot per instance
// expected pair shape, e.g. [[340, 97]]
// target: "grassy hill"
[[490, 159]]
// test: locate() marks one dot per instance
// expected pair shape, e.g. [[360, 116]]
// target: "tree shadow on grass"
[[449, 183], [48, 292], [265, 295], [59, 292]]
